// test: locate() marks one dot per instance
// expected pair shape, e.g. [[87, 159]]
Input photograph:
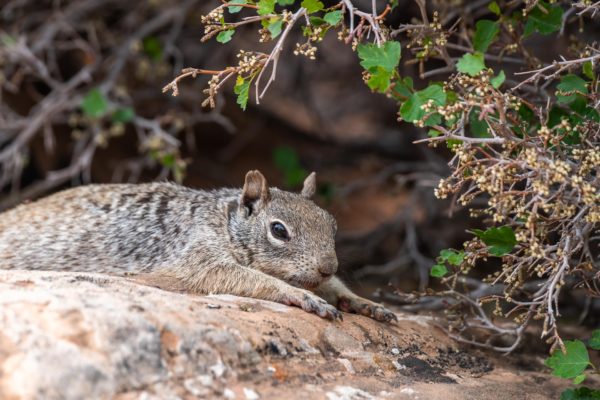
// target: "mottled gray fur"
[[170, 236]]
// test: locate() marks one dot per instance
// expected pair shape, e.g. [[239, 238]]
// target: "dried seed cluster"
[[542, 180]]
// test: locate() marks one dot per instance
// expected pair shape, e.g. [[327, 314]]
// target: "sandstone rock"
[[85, 336]]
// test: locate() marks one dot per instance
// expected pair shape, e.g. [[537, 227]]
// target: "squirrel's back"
[[114, 228]]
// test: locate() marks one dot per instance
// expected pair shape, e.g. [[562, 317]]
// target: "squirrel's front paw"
[[314, 304], [367, 308]]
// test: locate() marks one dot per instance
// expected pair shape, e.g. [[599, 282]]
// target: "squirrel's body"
[[257, 241], [121, 228]]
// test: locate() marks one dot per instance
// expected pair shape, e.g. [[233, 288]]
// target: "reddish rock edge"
[[73, 336]]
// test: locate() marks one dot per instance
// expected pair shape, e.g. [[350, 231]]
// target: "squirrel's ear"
[[255, 192], [310, 186]]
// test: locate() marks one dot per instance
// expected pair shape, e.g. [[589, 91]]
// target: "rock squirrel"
[[257, 242]]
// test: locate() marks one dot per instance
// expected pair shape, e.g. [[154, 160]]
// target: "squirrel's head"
[[285, 234]]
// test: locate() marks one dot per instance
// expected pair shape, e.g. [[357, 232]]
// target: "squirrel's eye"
[[279, 232]]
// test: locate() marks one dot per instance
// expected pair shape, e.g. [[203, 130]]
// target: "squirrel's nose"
[[327, 266]]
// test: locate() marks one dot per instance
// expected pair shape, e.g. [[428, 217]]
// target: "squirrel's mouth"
[[311, 284], [307, 283]]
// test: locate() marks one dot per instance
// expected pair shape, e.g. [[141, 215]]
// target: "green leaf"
[[152, 47], [570, 364], [326, 191], [316, 21], [578, 379], [312, 6], [544, 19], [588, 69], [438, 271], [471, 64], [526, 113], [485, 33], [452, 256], [451, 96], [266, 7], [594, 341], [168, 160], [498, 80], [295, 177], [433, 119], [433, 92], [493, 7], [275, 28], [404, 87], [456, 258], [556, 115], [592, 114], [94, 104], [450, 143], [379, 80], [445, 254], [386, 56], [333, 17], [225, 36], [286, 159], [568, 88], [479, 128], [236, 9], [579, 104], [285, 2], [412, 110], [570, 83], [500, 241], [582, 393], [242, 88], [124, 114], [7, 40]]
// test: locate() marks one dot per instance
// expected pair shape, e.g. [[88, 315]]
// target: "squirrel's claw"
[[367, 308], [337, 315], [381, 313], [314, 304]]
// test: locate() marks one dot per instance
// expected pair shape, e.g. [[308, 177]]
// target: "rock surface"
[[76, 336]]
